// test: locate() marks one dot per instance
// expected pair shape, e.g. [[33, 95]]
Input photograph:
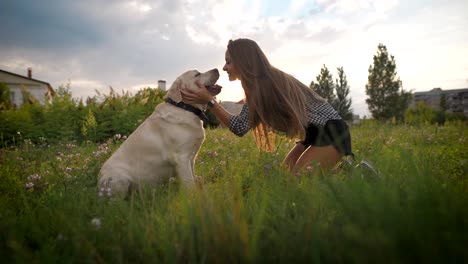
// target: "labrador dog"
[[165, 145]]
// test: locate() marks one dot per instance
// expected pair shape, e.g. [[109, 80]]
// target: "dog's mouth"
[[214, 89]]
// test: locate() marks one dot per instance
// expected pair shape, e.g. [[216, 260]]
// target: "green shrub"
[[66, 119]]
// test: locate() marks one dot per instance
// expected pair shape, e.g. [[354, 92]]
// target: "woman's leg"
[[326, 156], [294, 155]]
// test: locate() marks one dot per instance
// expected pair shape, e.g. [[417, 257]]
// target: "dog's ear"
[[174, 91]]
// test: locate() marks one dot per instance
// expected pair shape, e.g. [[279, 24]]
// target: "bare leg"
[[326, 156], [293, 156]]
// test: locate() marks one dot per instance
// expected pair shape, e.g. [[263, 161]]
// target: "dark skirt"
[[335, 132]]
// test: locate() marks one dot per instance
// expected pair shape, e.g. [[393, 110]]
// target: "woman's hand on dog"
[[199, 96]]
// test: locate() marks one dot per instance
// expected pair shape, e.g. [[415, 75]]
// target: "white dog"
[[165, 145]]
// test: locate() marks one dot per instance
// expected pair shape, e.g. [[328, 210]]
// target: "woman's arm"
[[223, 116], [202, 96], [238, 124]]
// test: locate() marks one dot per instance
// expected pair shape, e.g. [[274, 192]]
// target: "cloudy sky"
[[127, 44]]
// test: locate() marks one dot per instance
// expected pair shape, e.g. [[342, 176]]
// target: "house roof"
[[440, 91], [30, 79]]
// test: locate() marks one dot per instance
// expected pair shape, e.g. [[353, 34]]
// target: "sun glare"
[[140, 7]]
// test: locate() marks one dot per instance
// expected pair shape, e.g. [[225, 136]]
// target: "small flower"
[[70, 146], [34, 177], [68, 169], [29, 185], [309, 168], [215, 154], [101, 192], [96, 222]]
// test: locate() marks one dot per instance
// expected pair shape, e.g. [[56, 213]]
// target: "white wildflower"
[[96, 222]]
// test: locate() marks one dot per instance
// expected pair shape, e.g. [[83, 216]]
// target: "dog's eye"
[[197, 74]]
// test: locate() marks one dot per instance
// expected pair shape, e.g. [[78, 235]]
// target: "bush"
[[423, 114], [67, 119]]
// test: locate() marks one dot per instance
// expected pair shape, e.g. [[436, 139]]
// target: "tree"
[[341, 103], [386, 98], [324, 86], [5, 101], [443, 103]]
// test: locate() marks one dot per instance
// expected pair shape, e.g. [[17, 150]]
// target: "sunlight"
[[144, 8]]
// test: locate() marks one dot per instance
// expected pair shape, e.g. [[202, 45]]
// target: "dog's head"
[[187, 79]]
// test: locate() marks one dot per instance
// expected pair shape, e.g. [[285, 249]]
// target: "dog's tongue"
[[214, 89]]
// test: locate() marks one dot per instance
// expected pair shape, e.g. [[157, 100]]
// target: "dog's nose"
[[215, 71]]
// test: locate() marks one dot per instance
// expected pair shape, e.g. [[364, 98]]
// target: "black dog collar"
[[189, 108]]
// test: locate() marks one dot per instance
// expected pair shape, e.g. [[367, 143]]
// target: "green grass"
[[248, 209]]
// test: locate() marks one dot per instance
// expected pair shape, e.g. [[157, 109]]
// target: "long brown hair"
[[277, 101]]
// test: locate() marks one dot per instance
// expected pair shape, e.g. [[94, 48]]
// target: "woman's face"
[[230, 68]]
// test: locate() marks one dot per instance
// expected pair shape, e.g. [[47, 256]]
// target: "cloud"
[[352, 6], [112, 42], [130, 43]]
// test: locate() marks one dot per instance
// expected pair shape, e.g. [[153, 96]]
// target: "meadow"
[[247, 208]]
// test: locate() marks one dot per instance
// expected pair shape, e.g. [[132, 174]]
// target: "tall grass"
[[247, 208]]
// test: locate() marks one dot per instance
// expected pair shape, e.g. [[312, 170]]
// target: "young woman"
[[276, 101]]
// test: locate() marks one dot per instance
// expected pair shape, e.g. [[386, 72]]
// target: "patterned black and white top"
[[318, 113]]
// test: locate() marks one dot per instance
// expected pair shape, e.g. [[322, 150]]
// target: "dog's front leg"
[[184, 171]]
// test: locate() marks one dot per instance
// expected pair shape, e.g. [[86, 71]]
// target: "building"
[[456, 99], [162, 85], [232, 107], [40, 90]]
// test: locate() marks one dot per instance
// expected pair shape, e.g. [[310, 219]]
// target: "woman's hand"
[[199, 96]]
